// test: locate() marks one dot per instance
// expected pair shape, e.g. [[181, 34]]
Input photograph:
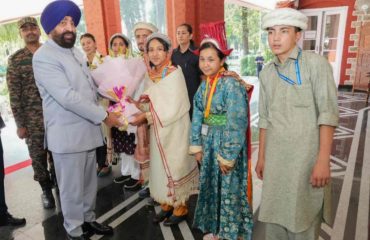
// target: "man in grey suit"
[[72, 118]]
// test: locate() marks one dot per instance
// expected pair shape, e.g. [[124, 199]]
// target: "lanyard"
[[211, 92], [164, 72], [297, 72]]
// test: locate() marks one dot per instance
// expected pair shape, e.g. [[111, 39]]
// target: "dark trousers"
[[3, 207], [101, 156]]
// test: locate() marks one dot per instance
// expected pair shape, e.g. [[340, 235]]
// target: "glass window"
[[133, 11], [309, 45]]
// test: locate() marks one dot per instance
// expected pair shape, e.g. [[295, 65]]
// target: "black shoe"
[[82, 237], [9, 220], [144, 193], [97, 228], [132, 185], [47, 199], [174, 220], [162, 215], [122, 179]]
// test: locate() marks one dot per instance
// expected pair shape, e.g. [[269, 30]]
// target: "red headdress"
[[214, 33]]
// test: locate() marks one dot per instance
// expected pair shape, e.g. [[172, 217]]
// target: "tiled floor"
[[131, 217]]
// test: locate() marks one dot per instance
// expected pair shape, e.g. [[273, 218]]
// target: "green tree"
[[233, 19], [10, 41], [158, 13], [245, 30], [132, 11]]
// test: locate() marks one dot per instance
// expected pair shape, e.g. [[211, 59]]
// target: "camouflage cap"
[[25, 20]]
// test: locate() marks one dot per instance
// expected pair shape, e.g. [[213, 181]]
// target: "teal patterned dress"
[[222, 207]]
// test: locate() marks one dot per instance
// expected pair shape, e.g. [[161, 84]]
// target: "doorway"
[[325, 35]]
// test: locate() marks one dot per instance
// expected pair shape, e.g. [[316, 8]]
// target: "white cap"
[[284, 16], [145, 25], [160, 36]]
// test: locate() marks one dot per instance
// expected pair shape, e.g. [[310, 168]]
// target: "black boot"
[[97, 228], [8, 220], [82, 237], [47, 199], [53, 177]]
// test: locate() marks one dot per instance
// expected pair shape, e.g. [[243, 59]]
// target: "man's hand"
[[238, 78], [198, 157], [320, 175], [139, 119], [22, 133], [112, 120], [260, 167]]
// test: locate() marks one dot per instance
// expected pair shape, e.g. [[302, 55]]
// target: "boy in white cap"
[[298, 115], [72, 118], [141, 31]]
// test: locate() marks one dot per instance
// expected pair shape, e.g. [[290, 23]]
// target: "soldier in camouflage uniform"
[[26, 104]]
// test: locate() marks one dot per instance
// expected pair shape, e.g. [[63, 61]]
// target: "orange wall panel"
[[194, 12], [103, 19]]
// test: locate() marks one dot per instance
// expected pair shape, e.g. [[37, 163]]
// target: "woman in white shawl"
[[165, 105]]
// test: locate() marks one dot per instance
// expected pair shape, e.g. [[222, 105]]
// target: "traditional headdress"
[[214, 33], [145, 25], [55, 11], [160, 36], [284, 16]]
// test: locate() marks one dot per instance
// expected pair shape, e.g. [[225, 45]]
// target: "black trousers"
[[3, 207], [101, 155]]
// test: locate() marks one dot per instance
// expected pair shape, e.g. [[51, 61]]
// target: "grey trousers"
[[77, 181], [278, 232]]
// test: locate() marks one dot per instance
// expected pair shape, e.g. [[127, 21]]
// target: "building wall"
[[352, 31], [194, 12], [103, 19]]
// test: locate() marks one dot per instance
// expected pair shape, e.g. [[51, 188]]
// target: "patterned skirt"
[[123, 142]]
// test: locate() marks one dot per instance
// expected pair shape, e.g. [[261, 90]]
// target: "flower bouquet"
[[117, 79]]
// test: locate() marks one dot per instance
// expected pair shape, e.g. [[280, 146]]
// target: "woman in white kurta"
[[173, 173]]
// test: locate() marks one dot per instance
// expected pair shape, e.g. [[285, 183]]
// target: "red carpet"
[[17, 166]]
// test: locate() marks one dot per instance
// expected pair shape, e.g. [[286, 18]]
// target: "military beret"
[[25, 20]]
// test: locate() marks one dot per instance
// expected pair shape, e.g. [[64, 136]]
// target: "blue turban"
[[55, 11]]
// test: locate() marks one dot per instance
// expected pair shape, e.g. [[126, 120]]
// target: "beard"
[[64, 41]]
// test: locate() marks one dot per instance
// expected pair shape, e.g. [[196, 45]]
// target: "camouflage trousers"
[[40, 159]]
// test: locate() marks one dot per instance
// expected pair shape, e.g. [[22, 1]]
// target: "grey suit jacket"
[[72, 115]]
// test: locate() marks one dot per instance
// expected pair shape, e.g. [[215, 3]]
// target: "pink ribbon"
[[120, 105]]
